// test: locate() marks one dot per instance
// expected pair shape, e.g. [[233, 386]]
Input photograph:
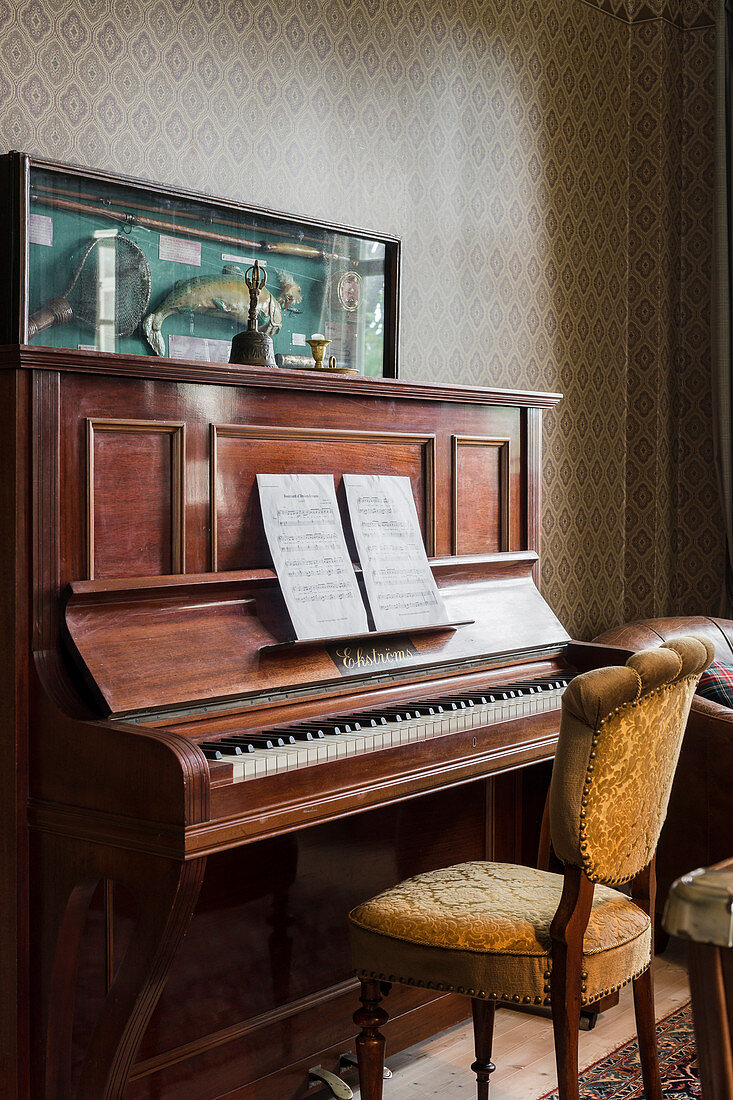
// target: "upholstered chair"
[[501, 933], [697, 831]]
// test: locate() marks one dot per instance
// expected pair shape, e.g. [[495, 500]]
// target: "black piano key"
[[551, 683], [211, 753], [267, 740], [300, 733], [224, 745], [248, 743], [517, 690], [368, 719], [238, 745], [391, 715], [331, 729]]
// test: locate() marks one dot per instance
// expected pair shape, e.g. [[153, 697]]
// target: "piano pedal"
[[339, 1088], [349, 1061]]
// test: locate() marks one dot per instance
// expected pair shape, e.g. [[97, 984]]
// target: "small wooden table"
[[700, 910]]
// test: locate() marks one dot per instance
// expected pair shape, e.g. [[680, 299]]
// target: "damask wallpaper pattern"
[[547, 165]]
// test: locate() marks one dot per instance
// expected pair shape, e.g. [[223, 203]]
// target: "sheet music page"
[[399, 582], [308, 548]]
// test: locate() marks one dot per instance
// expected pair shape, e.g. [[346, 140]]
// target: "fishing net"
[[131, 283], [110, 286]]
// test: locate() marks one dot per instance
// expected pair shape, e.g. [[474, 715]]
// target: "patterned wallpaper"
[[546, 163], [699, 543]]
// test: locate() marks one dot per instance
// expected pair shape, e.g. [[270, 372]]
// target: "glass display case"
[[118, 265]]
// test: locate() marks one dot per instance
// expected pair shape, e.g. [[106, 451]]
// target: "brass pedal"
[[338, 1088], [350, 1061]]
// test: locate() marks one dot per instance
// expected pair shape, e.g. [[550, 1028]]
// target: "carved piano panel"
[[217, 890], [136, 495], [239, 453], [485, 471]]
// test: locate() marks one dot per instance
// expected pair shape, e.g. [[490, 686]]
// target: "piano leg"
[[60, 1023], [166, 892]]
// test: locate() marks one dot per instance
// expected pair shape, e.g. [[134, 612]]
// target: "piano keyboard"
[[268, 752]]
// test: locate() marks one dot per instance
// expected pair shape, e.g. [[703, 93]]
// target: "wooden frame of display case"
[[212, 223]]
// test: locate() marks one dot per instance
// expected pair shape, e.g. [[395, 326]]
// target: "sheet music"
[[308, 548], [400, 585]]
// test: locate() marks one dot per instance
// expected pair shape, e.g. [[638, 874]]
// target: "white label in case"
[[86, 347], [298, 339], [229, 257], [40, 229], [199, 347], [179, 251]]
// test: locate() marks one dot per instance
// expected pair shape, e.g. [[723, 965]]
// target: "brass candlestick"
[[318, 345], [253, 347]]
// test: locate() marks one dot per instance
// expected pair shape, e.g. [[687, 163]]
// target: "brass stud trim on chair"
[[588, 865]]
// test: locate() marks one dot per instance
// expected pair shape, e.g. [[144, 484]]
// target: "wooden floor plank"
[[523, 1047]]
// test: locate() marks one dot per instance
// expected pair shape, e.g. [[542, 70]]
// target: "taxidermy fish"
[[225, 295]]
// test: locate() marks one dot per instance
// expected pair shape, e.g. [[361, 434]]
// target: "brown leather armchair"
[[699, 826]]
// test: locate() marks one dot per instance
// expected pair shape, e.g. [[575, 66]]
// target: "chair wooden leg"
[[483, 1034], [644, 893], [567, 930], [646, 1029], [370, 1041], [566, 1025]]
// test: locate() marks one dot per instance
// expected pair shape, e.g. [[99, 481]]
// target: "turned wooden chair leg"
[[566, 1025], [483, 1034], [646, 1029], [644, 893], [566, 978], [370, 1041]]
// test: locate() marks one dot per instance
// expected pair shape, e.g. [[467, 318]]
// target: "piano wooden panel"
[[484, 473], [224, 966], [135, 496], [240, 453]]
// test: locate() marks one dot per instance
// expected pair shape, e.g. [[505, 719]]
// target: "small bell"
[[253, 347]]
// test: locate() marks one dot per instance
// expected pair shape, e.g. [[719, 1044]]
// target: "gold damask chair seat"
[[491, 922], [502, 933]]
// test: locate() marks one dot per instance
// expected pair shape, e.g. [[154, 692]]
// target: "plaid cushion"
[[716, 683]]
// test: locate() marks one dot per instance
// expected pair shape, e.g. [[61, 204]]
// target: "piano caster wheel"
[[338, 1088], [350, 1061]]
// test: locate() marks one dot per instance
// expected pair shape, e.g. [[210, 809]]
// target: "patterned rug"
[[618, 1075]]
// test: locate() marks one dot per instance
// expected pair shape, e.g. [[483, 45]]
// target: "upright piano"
[[191, 802]]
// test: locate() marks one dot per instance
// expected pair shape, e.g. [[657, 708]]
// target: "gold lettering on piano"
[[354, 657]]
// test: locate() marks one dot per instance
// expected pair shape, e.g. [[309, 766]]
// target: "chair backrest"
[[620, 737]]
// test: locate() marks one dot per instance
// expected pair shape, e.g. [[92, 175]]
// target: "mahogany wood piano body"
[[185, 922]]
